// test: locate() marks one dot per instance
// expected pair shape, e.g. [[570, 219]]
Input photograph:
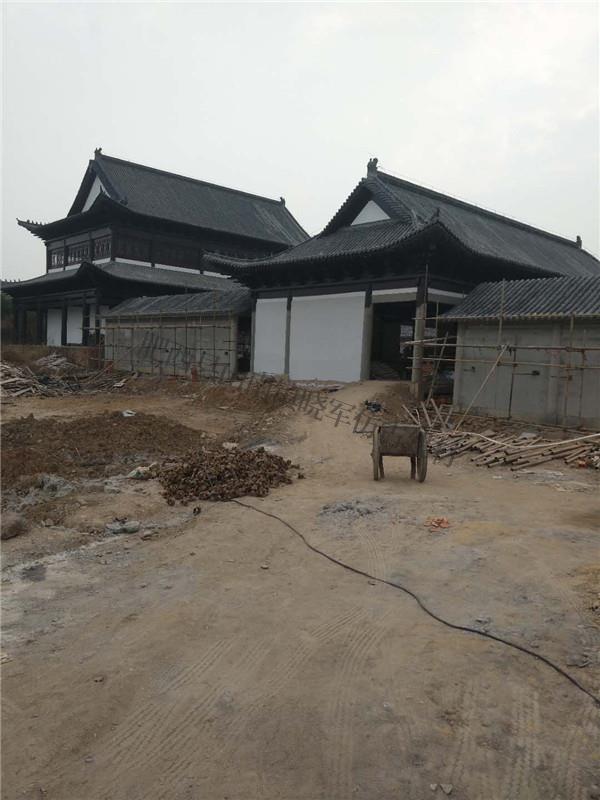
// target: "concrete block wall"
[[168, 347], [546, 394]]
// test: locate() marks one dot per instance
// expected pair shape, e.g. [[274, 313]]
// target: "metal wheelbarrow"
[[400, 440]]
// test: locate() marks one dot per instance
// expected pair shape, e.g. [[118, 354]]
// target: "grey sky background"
[[494, 103]]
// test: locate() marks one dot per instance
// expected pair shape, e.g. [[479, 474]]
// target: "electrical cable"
[[421, 604]]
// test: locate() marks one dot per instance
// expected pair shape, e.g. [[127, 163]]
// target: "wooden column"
[[63, 325], [19, 323], [85, 324], [416, 379], [40, 334]]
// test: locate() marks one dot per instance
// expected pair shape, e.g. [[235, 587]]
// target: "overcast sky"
[[494, 103]]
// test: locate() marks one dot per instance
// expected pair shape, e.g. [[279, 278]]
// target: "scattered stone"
[[99, 679], [264, 566], [11, 525], [122, 526], [214, 473], [142, 473], [353, 509], [578, 660], [148, 535], [433, 786], [54, 485], [372, 583], [446, 788], [230, 445]]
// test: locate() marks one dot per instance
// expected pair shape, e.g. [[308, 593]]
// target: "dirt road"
[[222, 659]]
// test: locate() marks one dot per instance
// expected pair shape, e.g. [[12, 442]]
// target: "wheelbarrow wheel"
[[422, 457], [376, 455]]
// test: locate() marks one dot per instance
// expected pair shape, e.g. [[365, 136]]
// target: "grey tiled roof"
[[346, 241], [532, 298], [413, 209], [485, 232], [235, 301], [165, 195], [158, 275], [119, 270]]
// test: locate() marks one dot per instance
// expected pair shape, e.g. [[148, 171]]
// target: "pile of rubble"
[[218, 473], [17, 381]]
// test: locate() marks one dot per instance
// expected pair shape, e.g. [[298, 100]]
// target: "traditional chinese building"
[[136, 231], [341, 304]]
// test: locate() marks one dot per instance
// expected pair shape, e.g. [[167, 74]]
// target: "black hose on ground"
[[421, 604]]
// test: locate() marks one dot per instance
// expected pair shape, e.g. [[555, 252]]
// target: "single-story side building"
[[395, 255], [544, 335], [197, 335]]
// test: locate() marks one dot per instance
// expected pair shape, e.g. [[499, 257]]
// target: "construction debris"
[[509, 446], [219, 474]]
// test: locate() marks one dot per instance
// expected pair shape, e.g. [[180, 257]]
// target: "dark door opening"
[[393, 324], [393, 328]]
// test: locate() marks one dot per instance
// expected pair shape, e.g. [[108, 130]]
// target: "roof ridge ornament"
[[578, 242], [372, 166], [97, 152]]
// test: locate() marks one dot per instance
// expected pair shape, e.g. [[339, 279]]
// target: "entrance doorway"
[[393, 324]]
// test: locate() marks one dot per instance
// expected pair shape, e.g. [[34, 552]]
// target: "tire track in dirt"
[[572, 754], [376, 560], [230, 734], [173, 732], [464, 749], [146, 723], [339, 757], [523, 754]]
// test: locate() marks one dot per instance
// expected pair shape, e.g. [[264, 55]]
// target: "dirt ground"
[[212, 656]]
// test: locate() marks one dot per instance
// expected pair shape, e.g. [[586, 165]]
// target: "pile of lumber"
[[515, 451], [451, 434]]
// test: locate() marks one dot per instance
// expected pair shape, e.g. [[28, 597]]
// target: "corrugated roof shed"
[[236, 301], [531, 299], [166, 195]]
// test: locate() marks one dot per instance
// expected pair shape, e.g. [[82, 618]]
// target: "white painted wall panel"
[[53, 327], [326, 337], [74, 324], [269, 336], [94, 192]]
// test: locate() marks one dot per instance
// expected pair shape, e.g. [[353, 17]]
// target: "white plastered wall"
[[53, 327], [94, 192], [326, 337], [269, 335], [74, 325], [370, 212]]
